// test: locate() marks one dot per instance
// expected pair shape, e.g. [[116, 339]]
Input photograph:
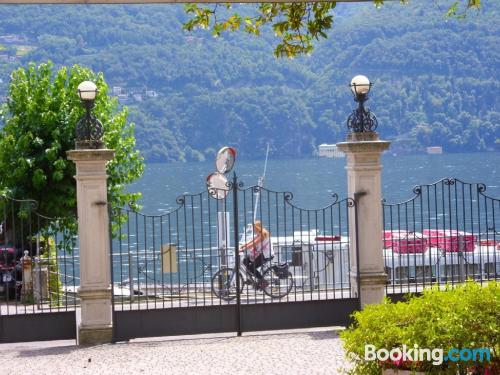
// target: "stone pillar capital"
[[367, 144], [90, 155], [363, 147]]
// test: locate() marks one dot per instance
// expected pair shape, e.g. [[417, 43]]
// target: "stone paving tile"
[[292, 352]]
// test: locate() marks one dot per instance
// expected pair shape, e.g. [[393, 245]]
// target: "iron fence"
[[39, 263], [448, 232], [183, 257]]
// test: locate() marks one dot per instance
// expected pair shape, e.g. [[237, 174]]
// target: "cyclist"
[[257, 251]]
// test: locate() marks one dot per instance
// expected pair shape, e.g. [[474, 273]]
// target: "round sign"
[[225, 159], [217, 185]]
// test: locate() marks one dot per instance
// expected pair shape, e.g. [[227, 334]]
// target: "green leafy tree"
[[39, 127], [298, 24]]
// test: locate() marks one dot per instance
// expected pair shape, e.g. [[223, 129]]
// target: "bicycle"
[[277, 281]]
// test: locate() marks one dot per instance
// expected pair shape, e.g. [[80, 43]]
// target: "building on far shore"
[[435, 150], [329, 151]]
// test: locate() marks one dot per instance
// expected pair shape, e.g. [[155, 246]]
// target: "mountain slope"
[[435, 81]]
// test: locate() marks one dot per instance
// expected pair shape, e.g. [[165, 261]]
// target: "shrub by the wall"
[[466, 316]]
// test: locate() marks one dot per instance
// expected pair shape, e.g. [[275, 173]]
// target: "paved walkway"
[[316, 351]]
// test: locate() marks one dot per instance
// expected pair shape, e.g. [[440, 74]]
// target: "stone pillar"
[[363, 152], [27, 288], [94, 319]]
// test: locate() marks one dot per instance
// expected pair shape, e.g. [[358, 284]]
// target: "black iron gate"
[[39, 302], [166, 268], [447, 233]]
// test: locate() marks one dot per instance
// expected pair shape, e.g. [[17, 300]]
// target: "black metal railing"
[[448, 232], [39, 263], [182, 258]]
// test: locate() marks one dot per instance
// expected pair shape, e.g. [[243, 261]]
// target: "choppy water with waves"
[[313, 181]]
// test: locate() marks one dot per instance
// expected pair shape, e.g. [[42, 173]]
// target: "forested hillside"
[[436, 81]]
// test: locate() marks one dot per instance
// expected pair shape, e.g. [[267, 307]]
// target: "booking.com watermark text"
[[436, 356]]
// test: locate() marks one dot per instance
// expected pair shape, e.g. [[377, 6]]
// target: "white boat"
[[437, 265]]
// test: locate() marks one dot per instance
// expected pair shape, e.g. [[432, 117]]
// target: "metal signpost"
[[218, 187]]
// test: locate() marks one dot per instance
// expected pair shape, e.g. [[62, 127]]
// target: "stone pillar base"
[[372, 287], [94, 336]]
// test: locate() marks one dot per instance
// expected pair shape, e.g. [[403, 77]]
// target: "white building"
[[434, 150], [117, 90], [329, 151]]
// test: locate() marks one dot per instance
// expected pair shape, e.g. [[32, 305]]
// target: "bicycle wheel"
[[224, 283], [275, 287]]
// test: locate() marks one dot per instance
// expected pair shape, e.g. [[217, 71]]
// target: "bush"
[[48, 257], [466, 316]]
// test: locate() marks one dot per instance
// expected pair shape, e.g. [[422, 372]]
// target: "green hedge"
[[465, 316], [48, 257]]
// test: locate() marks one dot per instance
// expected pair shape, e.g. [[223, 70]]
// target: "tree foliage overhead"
[[297, 24], [40, 118]]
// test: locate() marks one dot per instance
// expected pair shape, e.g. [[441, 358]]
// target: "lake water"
[[313, 181]]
